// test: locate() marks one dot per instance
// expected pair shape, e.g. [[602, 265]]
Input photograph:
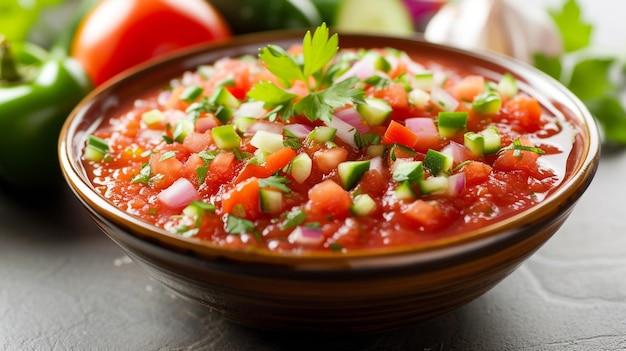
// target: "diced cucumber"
[[243, 123], [418, 97], [191, 93], [507, 86], [225, 137], [374, 111], [411, 171], [94, 154], [182, 127], [382, 64], [153, 116], [374, 16], [433, 184], [398, 151], [223, 114], [424, 80], [350, 172], [487, 103], [376, 150], [223, 97], [451, 122], [438, 162], [363, 205], [405, 191], [475, 143], [322, 134], [267, 141], [271, 201], [493, 141], [301, 167]]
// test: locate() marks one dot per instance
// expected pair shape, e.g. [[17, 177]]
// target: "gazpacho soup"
[[317, 148]]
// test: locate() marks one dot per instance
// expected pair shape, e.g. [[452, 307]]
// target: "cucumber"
[[475, 143], [225, 137], [437, 162], [374, 111], [271, 201], [410, 171], [223, 97], [451, 122], [267, 141], [322, 134], [507, 86], [183, 127], [374, 16], [433, 184], [350, 172], [363, 205], [191, 93], [301, 167], [404, 191], [247, 16], [493, 141], [424, 80], [487, 103]]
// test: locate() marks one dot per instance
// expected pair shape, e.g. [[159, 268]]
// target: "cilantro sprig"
[[596, 80], [314, 68]]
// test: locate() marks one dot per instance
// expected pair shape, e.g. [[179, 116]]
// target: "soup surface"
[[314, 148]]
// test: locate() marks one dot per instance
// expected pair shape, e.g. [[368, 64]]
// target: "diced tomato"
[[329, 198], [523, 110], [196, 142], [372, 183], [243, 200], [191, 165], [279, 159], [328, 159], [174, 102], [526, 161], [432, 215], [469, 87], [252, 170], [168, 170], [395, 94], [476, 172], [397, 133], [222, 167]]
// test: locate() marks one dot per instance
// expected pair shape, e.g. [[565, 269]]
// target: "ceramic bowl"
[[353, 292]]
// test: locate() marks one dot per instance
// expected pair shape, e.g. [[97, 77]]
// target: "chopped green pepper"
[[37, 92]]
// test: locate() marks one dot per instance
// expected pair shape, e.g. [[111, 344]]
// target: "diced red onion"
[[422, 126], [457, 151], [443, 99], [353, 118], [456, 184], [345, 131], [164, 97], [306, 236], [180, 194], [362, 69], [253, 109], [205, 123], [267, 126], [299, 130], [376, 163]]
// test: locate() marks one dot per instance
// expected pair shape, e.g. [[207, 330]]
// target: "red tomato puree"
[[417, 152]]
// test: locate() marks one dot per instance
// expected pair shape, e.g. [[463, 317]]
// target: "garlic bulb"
[[510, 27]]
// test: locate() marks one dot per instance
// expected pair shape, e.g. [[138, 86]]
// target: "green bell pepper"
[[37, 92]]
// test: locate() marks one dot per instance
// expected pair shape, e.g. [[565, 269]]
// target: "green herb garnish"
[[518, 147], [238, 225]]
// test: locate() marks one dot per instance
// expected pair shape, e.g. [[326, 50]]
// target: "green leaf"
[[293, 219], [318, 50], [237, 225], [282, 64], [590, 78], [610, 113], [271, 94], [550, 65], [276, 182], [576, 34]]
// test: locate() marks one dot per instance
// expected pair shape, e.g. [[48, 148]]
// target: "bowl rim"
[[558, 201]]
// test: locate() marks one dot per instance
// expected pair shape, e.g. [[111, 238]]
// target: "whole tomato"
[[118, 34]]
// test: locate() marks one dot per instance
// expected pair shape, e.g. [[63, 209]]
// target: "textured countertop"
[[65, 286]]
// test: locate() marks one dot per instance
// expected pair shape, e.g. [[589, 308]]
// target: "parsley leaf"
[[293, 219], [238, 225], [276, 182], [575, 33], [318, 50]]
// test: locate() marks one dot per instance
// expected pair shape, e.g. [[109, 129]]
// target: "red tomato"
[[119, 34]]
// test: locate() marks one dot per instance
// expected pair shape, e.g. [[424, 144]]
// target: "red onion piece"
[[456, 184], [457, 151], [205, 123], [180, 194], [345, 131], [353, 118], [299, 130], [267, 126], [253, 109], [306, 236]]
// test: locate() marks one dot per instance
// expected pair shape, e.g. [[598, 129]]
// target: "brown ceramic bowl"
[[357, 291]]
